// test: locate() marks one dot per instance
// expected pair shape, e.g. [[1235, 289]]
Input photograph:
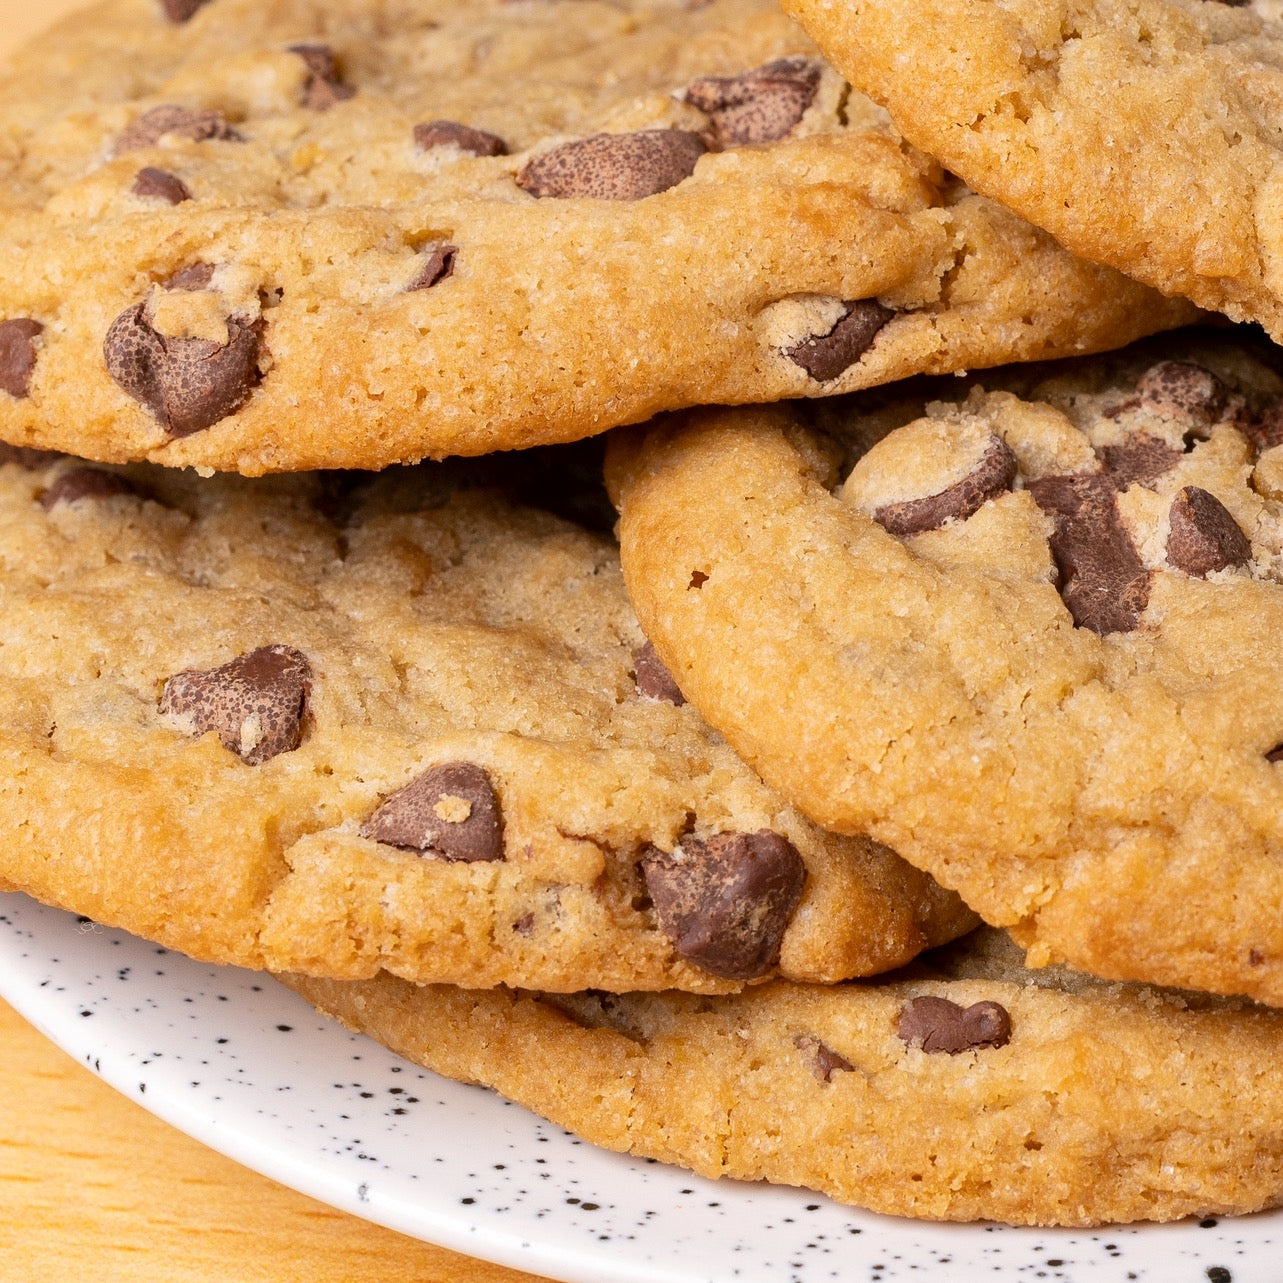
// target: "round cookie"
[[1033, 642], [972, 1089], [1141, 133], [333, 233], [338, 724]]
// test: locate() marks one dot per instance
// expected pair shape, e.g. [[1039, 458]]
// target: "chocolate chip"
[[187, 383], [1103, 581], [825, 1062], [614, 166], [198, 125], [86, 483], [450, 133], [438, 263], [1140, 458], [525, 924], [595, 1009], [1182, 390], [697, 581], [653, 678], [758, 106], [825, 356], [1204, 535], [450, 810], [1264, 428], [323, 87], [1275, 754], [990, 477], [726, 903], [181, 10], [160, 184], [23, 456], [936, 1024], [254, 703], [18, 354], [195, 276]]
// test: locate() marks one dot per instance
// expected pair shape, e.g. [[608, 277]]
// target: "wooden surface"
[[94, 1187]]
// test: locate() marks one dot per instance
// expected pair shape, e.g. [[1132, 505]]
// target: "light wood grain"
[[92, 1186]]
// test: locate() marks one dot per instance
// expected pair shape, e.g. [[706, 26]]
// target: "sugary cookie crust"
[[214, 692], [1141, 133], [346, 234], [1064, 1101], [1061, 696]]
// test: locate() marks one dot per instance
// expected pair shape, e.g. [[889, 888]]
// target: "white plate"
[[240, 1063]]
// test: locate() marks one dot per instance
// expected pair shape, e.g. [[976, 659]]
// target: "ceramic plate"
[[242, 1064]]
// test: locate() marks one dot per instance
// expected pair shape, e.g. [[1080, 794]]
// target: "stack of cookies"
[[662, 777]]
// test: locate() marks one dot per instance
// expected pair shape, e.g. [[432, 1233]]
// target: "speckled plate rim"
[[243, 1065]]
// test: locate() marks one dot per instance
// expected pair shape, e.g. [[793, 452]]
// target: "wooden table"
[[92, 1186]]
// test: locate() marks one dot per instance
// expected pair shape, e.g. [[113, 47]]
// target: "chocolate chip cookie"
[[334, 724], [333, 233], [1032, 642], [1140, 133], [970, 1089]]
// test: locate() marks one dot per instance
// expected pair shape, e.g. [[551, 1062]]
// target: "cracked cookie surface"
[[334, 724], [1141, 133], [308, 234], [1032, 642], [969, 1088]]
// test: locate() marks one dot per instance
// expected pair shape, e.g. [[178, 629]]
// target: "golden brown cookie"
[[339, 724], [345, 233], [1032, 642], [970, 1089]]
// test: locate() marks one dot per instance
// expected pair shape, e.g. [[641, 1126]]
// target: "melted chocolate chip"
[[18, 354], [159, 184], [653, 678], [1204, 535], [1264, 428], [759, 106], [254, 703], [990, 477], [936, 1024], [86, 483], [181, 10], [1182, 390], [323, 86], [27, 457], [1139, 459], [595, 1009], [726, 903], [187, 383], [438, 263], [198, 125], [614, 166], [825, 1062], [825, 356], [195, 276], [450, 133], [450, 810], [697, 580]]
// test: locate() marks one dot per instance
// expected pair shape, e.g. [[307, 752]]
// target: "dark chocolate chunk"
[[1264, 427], [181, 10], [990, 477], [86, 483], [195, 276], [1183, 390], [726, 903], [24, 456], [1204, 536], [438, 263], [1139, 459], [1275, 754], [614, 166], [450, 133], [323, 86], [450, 810], [653, 678], [825, 356], [254, 703], [160, 184], [758, 106], [936, 1024], [187, 383], [196, 124], [697, 581], [18, 354], [1102, 578], [825, 1062]]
